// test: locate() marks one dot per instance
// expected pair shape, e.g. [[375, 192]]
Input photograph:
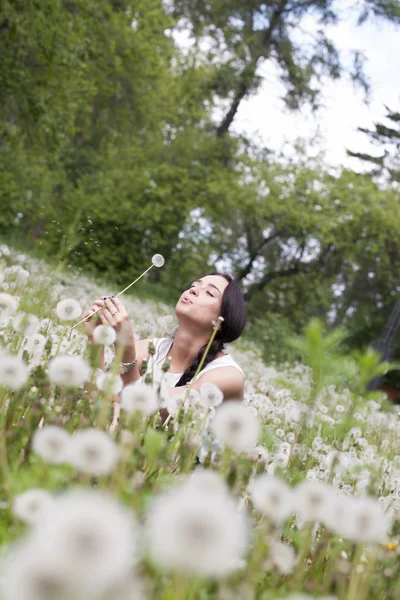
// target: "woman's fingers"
[[120, 307]]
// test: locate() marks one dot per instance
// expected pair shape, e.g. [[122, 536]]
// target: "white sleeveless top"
[[162, 348]]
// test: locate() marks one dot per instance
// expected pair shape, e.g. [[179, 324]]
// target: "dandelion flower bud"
[[13, 372], [158, 260], [68, 310], [8, 305], [69, 371], [92, 451], [141, 397], [52, 444], [33, 505], [104, 335]]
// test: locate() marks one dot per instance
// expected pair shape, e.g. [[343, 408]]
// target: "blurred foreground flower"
[[236, 426], [211, 395], [85, 548], [8, 305], [195, 532], [26, 324], [13, 372], [69, 371], [104, 335], [139, 397], [272, 497], [52, 444], [93, 451], [33, 505]]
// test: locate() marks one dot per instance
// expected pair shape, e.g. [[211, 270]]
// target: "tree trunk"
[[247, 76]]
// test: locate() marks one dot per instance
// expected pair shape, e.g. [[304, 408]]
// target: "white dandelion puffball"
[[26, 324], [68, 310], [69, 371], [33, 505], [95, 539], [104, 335], [141, 397], [30, 572], [365, 521], [207, 481], [110, 383], [202, 534], [92, 451], [52, 444], [210, 395], [272, 497], [236, 426], [282, 557], [35, 344], [8, 305], [158, 260], [313, 500], [14, 372]]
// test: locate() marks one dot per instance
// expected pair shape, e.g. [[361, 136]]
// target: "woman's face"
[[201, 303]]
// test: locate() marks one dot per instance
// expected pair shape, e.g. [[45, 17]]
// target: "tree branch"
[[247, 75]]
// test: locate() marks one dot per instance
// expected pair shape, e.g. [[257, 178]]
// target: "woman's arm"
[[228, 379]]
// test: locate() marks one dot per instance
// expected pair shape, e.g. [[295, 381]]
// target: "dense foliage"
[[116, 142]]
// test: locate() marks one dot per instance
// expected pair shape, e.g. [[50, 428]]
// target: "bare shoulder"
[[229, 380]]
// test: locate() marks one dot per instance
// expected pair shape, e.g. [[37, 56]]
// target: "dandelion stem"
[[119, 294], [217, 327]]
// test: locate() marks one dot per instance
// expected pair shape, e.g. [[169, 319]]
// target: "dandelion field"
[[297, 494]]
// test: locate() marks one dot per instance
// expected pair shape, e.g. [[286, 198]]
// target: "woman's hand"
[[112, 313]]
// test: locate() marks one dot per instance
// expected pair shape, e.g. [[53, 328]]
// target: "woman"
[[197, 309]]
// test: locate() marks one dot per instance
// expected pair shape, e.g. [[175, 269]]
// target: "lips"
[[186, 300]]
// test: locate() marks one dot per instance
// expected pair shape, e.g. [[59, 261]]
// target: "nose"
[[193, 291]]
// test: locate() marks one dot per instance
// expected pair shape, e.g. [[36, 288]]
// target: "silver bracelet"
[[126, 367]]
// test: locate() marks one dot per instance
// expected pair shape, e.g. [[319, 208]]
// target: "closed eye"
[[207, 292]]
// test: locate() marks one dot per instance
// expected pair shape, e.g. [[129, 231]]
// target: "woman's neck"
[[185, 348]]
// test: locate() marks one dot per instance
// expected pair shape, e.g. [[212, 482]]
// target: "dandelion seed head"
[[158, 260], [104, 335], [210, 395], [8, 305], [110, 383], [68, 309], [94, 537], [201, 534], [26, 324], [139, 397], [14, 372], [33, 505], [236, 426], [272, 497], [68, 371], [52, 444], [92, 451]]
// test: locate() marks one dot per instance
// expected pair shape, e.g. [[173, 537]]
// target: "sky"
[[264, 116]]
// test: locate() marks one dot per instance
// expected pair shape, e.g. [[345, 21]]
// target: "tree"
[[387, 138], [240, 35]]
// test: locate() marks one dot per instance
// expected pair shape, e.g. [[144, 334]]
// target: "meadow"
[[297, 494]]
